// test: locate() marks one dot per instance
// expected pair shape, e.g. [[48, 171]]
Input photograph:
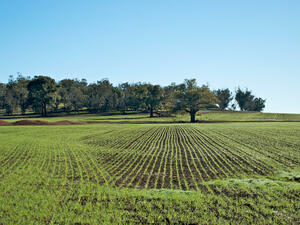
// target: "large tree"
[[42, 93], [170, 98], [138, 99], [72, 94], [153, 98], [19, 89], [10, 103], [243, 98], [248, 102], [224, 96], [124, 93], [192, 98], [257, 104], [15, 97], [131, 97], [101, 96]]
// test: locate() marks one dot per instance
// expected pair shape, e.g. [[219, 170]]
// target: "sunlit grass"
[[86, 174]]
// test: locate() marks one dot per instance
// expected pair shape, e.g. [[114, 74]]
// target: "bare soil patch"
[[39, 123], [4, 123]]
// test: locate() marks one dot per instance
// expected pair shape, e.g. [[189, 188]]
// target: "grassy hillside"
[[249, 116], [142, 117], [150, 173]]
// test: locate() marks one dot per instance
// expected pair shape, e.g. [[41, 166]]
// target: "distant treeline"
[[43, 94]]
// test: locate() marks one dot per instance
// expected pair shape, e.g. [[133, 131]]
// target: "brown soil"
[[29, 122], [39, 122], [68, 122], [4, 123]]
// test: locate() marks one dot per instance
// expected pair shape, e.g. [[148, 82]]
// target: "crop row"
[[154, 156], [177, 157]]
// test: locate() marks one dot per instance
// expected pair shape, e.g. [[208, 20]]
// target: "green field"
[[241, 173]]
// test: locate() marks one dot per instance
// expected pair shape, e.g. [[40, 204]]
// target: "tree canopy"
[[42, 94], [248, 102], [154, 97], [224, 97], [192, 98]]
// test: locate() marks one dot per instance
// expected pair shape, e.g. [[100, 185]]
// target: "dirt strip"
[[68, 122]]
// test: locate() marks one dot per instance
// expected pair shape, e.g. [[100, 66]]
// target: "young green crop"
[[150, 173]]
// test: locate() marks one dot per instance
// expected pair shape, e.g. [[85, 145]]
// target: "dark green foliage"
[[170, 96], [42, 93], [73, 94], [248, 102], [10, 102], [243, 98], [192, 98], [139, 96], [21, 92], [124, 93], [154, 97], [257, 104], [14, 95], [101, 96], [224, 96]]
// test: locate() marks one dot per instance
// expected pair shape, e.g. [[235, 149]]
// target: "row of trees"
[[42, 94]]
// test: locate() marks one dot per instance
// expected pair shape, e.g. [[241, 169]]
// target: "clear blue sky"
[[254, 44]]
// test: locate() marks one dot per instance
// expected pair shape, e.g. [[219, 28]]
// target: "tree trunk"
[[151, 112], [23, 110], [44, 109], [193, 117]]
